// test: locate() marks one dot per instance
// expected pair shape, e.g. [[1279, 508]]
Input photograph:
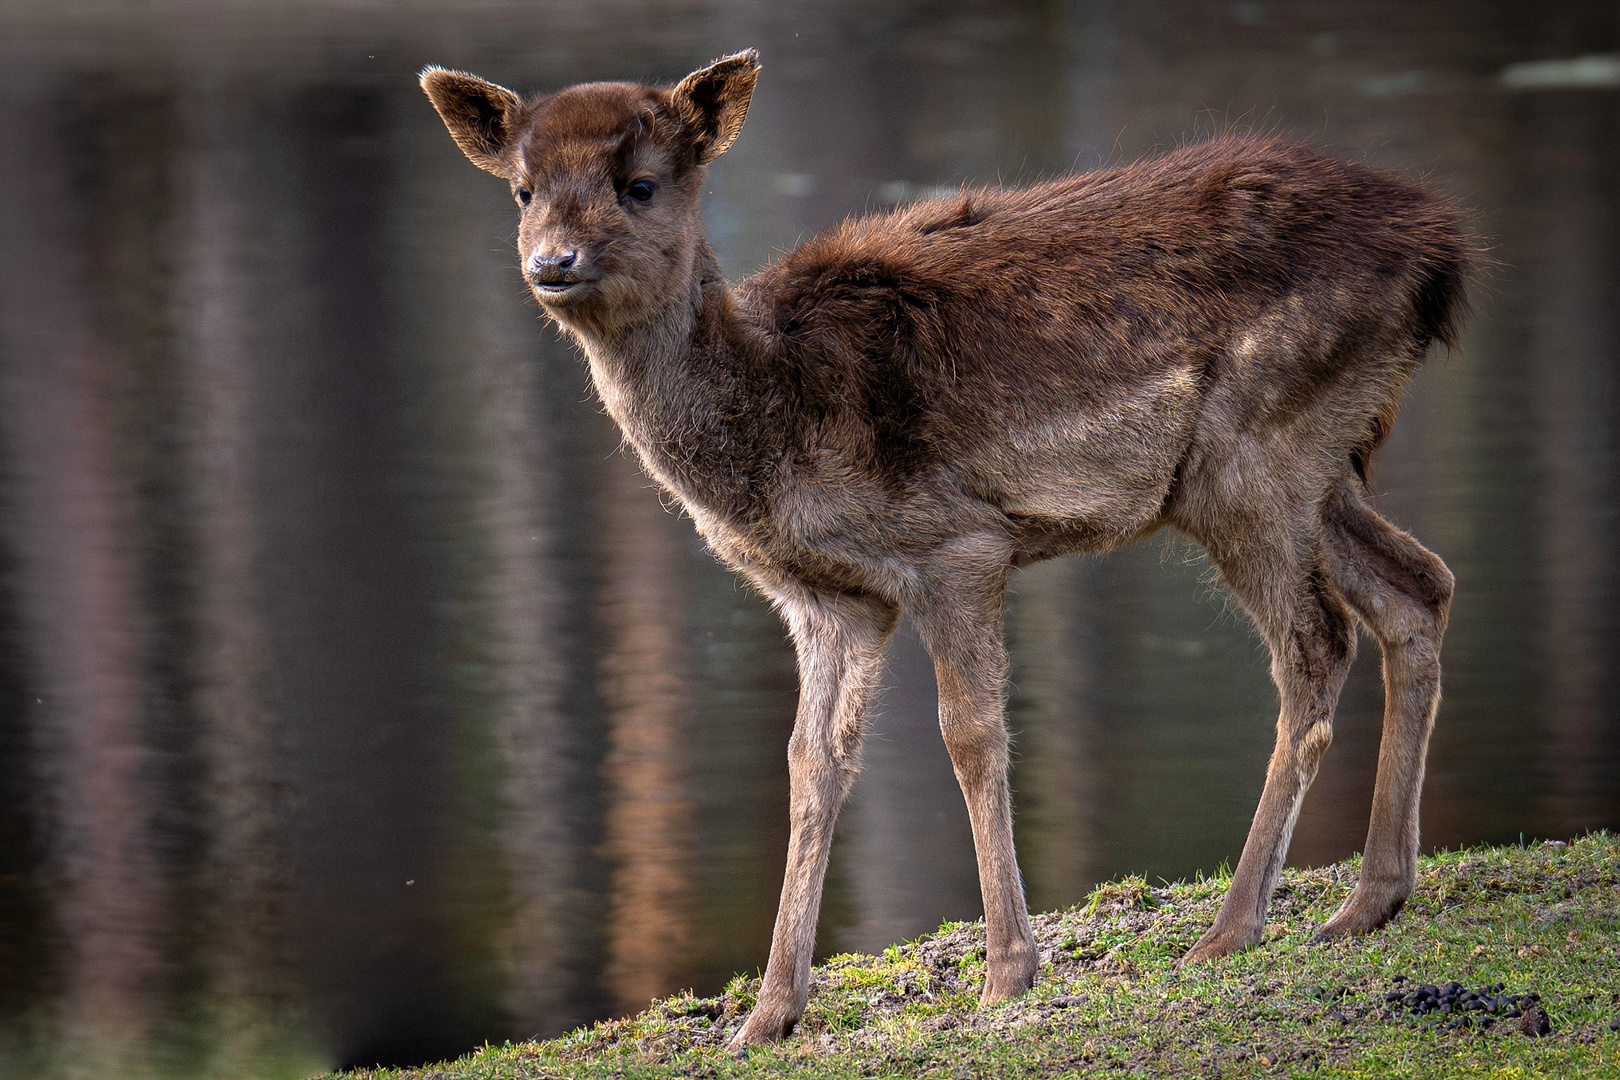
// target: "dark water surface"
[[360, 703]]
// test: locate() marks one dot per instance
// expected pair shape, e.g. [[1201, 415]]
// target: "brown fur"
[[902, 410]]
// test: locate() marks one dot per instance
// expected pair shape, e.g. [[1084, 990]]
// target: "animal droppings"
[[1454, 1005]]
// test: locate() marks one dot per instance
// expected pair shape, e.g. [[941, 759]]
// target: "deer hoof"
[[1217, 943], [1010, 972], [764, 1025], [1006, 988], [1362, 913]]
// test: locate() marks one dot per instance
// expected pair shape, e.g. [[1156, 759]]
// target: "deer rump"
[[1077, 353]]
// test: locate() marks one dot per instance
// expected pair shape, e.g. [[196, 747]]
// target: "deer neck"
[[686, 392]]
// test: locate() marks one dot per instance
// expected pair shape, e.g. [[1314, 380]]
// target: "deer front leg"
[[977, 740], [962, 625], [840, 642]]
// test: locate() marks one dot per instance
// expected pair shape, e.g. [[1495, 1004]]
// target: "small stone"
[[1614, 1025], [1535, 1022], [1268, 1059]]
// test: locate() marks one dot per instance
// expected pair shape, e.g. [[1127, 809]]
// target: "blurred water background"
[[360, 702]]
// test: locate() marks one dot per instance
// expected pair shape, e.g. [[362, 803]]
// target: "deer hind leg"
[[1402, 592], [1282, 582], [960, 619], [840, 642]]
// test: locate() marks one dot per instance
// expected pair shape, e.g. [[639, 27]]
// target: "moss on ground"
[[1109, 999]]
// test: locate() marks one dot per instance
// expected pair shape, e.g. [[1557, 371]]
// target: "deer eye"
[[641, 190], [523, 196]]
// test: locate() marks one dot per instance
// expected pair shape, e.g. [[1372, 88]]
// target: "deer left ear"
[[713, 103], [478, 113]]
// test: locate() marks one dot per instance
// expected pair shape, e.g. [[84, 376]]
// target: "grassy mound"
[[1542, 920]]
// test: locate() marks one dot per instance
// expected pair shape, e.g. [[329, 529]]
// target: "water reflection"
[[359, 702]]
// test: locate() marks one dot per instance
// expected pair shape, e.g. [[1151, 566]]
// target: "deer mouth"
[[569, 289]]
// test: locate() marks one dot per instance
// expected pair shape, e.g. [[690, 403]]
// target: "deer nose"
[[540, 263]]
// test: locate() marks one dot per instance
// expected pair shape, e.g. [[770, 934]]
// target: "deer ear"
[[479, 115], [712, 103]]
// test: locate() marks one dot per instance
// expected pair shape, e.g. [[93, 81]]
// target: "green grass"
[[1109, 1000]]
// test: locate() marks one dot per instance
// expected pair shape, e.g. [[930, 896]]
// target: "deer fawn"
[[898, 413]]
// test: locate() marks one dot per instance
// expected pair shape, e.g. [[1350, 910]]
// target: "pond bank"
[[1500, 923]]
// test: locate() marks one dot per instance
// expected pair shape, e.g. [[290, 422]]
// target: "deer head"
[[608, 177]]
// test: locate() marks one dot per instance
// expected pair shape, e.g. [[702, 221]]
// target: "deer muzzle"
[[555, 272]]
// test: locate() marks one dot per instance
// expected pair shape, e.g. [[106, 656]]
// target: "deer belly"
[[1081, 474], [1076, 489]]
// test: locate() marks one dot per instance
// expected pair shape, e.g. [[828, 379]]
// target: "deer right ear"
[[478, 113], [713, 103]]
